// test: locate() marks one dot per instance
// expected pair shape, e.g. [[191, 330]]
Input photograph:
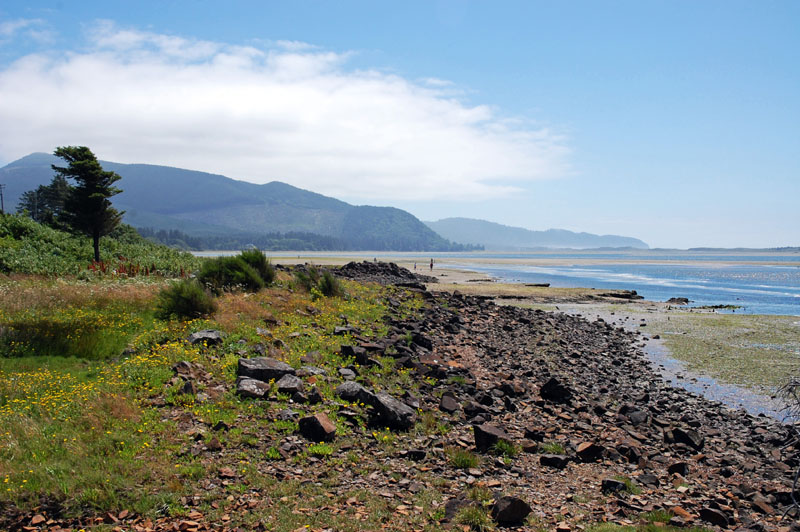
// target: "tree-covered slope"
[[494, 236], [210, 205]]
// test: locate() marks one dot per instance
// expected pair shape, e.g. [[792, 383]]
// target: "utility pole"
[[2, 203]]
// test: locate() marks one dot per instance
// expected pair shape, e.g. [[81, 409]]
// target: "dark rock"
[[448, 403], [557, 461], [589, 452], [680, 468], [358, 353], [510, 510], [247, 387], [612, 485], [648, 479], [554, 391], [715, 517], [289, 384], [354, 393], [263, 368], [317, 428], [487, 435], [208, 336], [687, 437], [392, 413]]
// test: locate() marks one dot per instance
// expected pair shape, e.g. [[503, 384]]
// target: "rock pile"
[[382, 273]]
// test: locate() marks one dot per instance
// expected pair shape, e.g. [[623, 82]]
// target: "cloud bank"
[[293, 112]]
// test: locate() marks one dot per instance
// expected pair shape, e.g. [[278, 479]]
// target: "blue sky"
[[674, 122]]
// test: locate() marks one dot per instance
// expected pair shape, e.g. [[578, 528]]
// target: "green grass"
[[506, 449], [82, 432], [475, 517], [320, 450], [630, 486], [551, 447], [462, 458]]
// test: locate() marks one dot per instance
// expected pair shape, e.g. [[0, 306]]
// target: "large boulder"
[[393, 413], [263, 368]]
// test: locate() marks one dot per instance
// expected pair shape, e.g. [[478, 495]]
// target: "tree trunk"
[[96, 243]]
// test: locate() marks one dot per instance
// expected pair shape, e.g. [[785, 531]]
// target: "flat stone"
[[263, 368], [253, 388], [289, 384], [207, 336], [557, 461]]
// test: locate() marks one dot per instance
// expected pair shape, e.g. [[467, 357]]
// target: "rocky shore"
[[537, 420], [553, 381]]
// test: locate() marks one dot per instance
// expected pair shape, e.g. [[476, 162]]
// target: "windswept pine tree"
[[87, 208]]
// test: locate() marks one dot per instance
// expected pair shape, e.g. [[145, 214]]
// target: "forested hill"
[[217, 210], [495, 236]]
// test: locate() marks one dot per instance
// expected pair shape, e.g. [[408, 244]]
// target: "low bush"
[[184, 300], [306, 279], [330, 286], [260, 263], [229, 273], [318, 284]]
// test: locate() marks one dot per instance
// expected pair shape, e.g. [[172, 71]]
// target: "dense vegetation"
[[31, 248]]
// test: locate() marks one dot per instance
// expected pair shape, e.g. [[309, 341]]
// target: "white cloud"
[[294, 113], [34, 29]]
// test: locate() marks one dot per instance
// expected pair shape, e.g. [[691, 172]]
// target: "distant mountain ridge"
[[203, 204], [498, 237]]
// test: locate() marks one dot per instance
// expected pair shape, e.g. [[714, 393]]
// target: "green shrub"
[[184, 300], [229, 273], [330, 285], [551, 447], [307, 279], [256, 258]]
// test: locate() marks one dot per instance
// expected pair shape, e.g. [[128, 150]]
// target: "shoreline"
[[734, 387], [737, 359]]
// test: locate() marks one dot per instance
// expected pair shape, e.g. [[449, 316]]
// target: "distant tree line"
[[298, 241], [289, 241]]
